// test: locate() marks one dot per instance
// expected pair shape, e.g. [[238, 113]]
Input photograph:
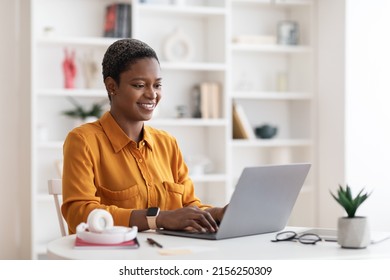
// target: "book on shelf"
[[118, 20], [242, 129], [81, 244], [210, 100]]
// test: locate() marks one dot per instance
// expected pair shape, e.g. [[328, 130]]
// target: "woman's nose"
[[151, 93]]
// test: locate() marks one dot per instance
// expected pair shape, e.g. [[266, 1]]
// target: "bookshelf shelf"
[[244, 2], [274, 2], [185, 10], [271, 143], [271, 48], [75, 41], [294, 2], [195, 66], [188, 122], [59, 92], [272, 95]]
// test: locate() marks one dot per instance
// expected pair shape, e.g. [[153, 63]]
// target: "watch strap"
[[152, 220]]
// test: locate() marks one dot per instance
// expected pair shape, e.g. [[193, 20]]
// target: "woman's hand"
[[187, 218], [217, 213]]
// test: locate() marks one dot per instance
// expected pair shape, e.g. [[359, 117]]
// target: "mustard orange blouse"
[[104, 168]]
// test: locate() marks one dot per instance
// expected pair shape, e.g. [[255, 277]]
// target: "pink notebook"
[[81, 244]]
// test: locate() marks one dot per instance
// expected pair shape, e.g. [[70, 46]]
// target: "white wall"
[[331, 104], [9, 126], [354, 106], [15, 169], [368, 105]]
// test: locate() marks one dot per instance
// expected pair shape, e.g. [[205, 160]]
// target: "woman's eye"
[[138, 86], [158, 86]]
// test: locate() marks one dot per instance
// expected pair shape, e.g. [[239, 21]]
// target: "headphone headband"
[[99, 229]]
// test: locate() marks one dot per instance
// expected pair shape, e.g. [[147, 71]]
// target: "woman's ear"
[[111, 85]]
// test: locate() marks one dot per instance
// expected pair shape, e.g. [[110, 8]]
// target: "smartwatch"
[[151, 216]]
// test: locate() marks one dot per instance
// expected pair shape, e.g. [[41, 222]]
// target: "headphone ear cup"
[[99, 220], [81, 227]]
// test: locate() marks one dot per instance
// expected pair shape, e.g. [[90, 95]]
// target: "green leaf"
[[349, 193], [345, 199], [82, 113]]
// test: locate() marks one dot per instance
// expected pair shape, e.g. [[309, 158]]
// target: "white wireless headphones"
[[100, 229]]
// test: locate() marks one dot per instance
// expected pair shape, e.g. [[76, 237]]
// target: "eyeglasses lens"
[[309, 238], [286, 235]]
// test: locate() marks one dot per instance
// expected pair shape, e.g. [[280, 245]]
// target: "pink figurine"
[[69, 67]]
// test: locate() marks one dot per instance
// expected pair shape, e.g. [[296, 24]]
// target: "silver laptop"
[[261, 202]]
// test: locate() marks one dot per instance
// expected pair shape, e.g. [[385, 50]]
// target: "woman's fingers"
[[194, 219], [205, 220]]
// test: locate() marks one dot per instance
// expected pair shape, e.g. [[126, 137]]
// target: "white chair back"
[[55, 189]]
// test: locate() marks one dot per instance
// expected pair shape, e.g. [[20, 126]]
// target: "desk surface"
[[249, 247]]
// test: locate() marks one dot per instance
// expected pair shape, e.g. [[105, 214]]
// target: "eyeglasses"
[[307, 238]]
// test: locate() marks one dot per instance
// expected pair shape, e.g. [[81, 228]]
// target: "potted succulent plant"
[[83, 115], [352, 231]]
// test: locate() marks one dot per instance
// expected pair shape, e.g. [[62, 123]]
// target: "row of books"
[[118, 20], [208, 103], [207, 100]]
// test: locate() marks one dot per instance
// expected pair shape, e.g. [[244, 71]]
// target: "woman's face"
[[139, 91]]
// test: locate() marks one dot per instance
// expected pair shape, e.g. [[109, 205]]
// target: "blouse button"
[[140, 160]]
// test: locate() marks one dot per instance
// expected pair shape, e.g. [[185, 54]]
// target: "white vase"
[[353, 232]]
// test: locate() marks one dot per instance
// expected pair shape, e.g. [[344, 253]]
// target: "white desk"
[[251, 247]]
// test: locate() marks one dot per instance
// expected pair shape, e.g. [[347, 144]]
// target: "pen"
[[153, 242]]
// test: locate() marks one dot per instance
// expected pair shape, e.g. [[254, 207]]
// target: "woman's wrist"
[[161, 218]]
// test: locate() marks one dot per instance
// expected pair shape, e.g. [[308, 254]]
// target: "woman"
[[117, 163]]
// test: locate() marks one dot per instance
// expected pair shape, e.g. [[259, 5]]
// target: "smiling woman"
[[119, 164]]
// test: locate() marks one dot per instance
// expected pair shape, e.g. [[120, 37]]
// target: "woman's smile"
[[147, 106]]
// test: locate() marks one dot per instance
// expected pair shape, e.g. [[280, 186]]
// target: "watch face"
[[152, 211]]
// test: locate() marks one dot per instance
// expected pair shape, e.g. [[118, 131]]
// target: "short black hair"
[[122, 54]]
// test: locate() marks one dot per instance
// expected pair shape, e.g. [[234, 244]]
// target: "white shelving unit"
[[254, 85], [151, 23], [210, 26]]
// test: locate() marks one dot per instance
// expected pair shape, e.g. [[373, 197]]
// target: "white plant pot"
[[353, 232]]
